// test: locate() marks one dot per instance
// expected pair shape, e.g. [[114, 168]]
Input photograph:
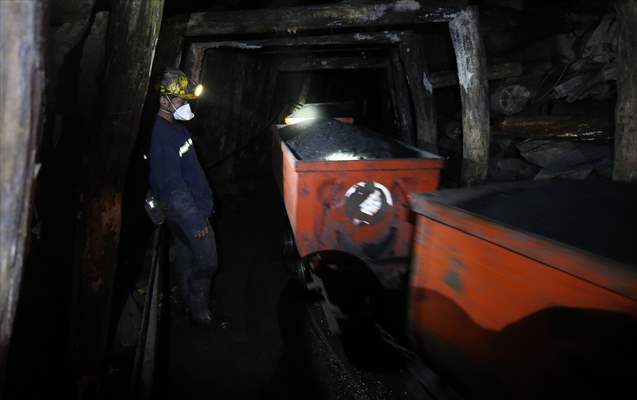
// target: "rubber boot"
[[200, 295]]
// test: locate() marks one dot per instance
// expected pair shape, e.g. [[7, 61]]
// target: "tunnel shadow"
[[373, 316], [296, 372]]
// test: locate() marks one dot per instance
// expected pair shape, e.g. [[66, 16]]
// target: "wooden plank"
[[170, 44], [21, 87], [193, 63], [133, 31], [290, 51], [554, 127], [402, 101], [291, 20], [313, 62], [337, 39], [471, 59], [442, 79], [413, 55], [168, 54], [625, 167]]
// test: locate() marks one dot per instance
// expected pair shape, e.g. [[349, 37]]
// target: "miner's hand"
[[202, 233]]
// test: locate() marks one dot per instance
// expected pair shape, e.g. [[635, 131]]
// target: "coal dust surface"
[[332, 140]]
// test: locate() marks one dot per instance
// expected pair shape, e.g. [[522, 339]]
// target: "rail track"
[[381, 368]]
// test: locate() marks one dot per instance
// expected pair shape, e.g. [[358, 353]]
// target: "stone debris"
[[573, 160]]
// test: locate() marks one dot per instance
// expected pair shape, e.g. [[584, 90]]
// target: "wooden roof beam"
[[292, 20], [344, 39], [310, 63]]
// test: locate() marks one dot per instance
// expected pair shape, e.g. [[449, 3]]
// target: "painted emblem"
[[367, 202]]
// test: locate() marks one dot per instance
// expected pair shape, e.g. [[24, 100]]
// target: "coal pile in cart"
[[332, 140]]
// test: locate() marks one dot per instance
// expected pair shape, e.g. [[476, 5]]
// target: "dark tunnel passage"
[[345, 145], [268, 348]]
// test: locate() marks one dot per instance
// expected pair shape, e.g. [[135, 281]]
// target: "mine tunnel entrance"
[[248, 91]]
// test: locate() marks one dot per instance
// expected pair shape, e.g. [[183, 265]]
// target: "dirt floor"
[[251, 359]]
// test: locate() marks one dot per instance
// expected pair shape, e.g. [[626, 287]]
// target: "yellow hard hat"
[[174, 82]]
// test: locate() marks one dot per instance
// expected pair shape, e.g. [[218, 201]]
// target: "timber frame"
[[410, 81], [22, 82]]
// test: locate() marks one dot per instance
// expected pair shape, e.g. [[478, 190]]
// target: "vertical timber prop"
[[193, 63], [170, 44], [412, 54], [21, 88], [401, 99], [168, 54], [132, 36], [625, 167], [474, 91]]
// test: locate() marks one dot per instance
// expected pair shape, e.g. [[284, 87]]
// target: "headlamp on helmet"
[[175, 83]]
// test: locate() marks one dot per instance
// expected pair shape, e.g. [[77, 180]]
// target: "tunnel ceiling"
[[173, 7]]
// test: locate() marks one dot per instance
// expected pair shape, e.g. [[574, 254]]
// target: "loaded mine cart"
[[528, 290], [346, 191]]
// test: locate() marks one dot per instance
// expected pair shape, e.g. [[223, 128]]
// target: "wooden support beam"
[[471, 59], [442, 79], [401, 99], [168, 54], [21, 87], [412, 54], [337, 39], [270, 93], [292, 20], [193, 64], [293, 51], [312, 62], [305, 89], [132, 37], [196, 50], [170, 44], [566, 127], [625, 167]]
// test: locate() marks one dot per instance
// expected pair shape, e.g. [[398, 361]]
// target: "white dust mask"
[[182, 113]]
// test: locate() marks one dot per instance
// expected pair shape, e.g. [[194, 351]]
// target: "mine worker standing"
[[179, 183]]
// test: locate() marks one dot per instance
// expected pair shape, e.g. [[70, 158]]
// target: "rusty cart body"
[[359, 207], [528, 290]]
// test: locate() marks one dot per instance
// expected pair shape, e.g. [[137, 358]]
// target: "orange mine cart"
[[360, 207], [528, 290]]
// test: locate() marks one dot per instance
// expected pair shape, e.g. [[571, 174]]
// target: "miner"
[[180, 185]]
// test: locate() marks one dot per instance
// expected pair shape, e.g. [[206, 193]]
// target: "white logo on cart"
[[371, 198], [372, 203]]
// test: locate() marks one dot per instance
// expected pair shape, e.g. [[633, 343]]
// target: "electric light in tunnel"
[[302, 114], [316, 111]]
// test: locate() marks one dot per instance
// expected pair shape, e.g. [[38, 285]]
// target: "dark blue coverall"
[[179, 182]]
